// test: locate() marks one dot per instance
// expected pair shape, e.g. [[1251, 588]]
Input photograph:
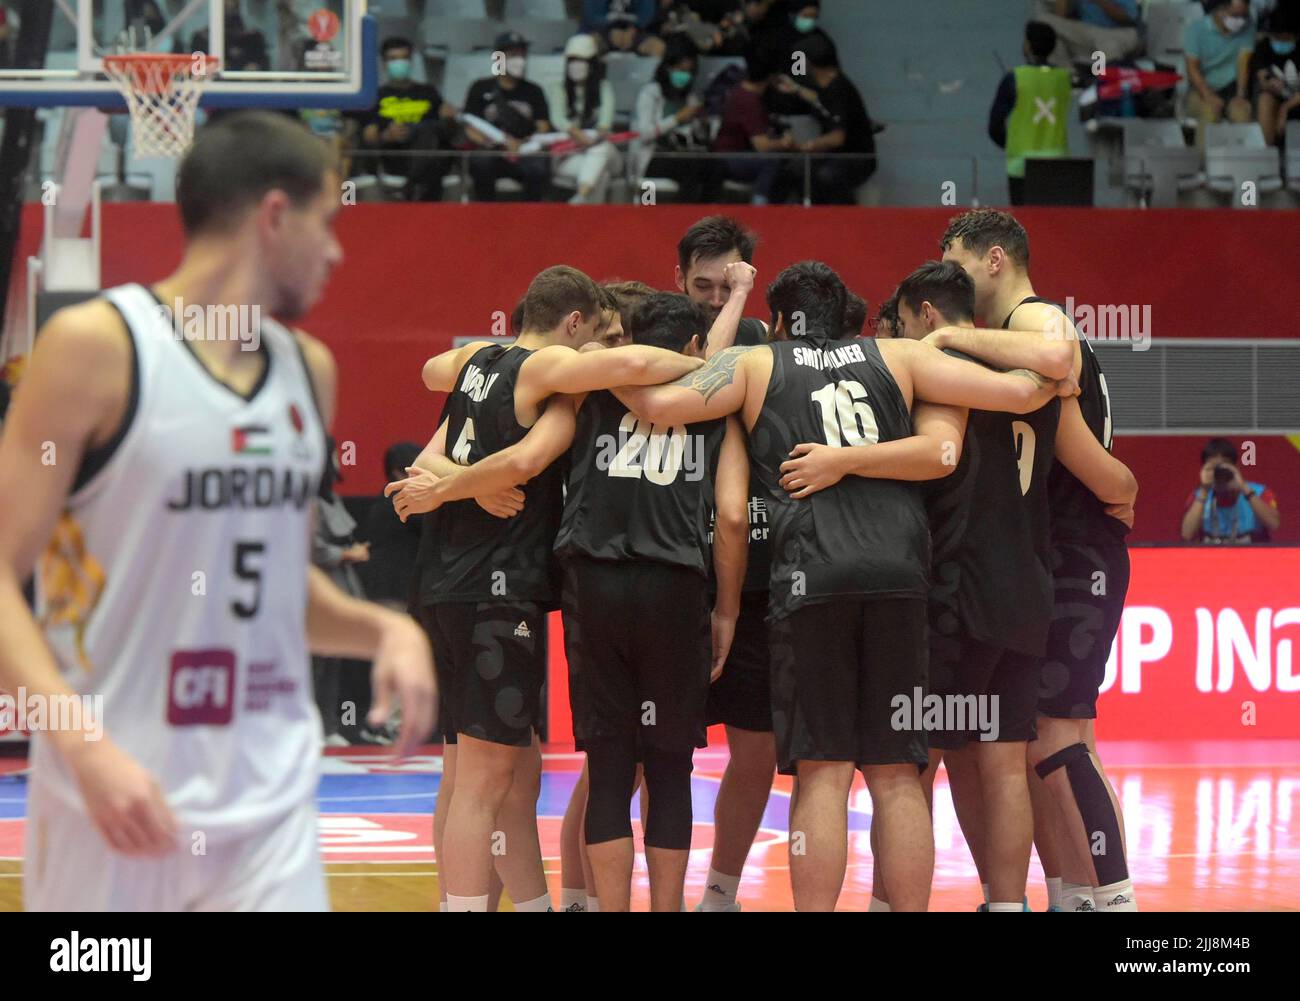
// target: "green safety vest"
[[1037, 124]]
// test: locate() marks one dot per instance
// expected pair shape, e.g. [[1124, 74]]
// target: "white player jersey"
[[176, 585]]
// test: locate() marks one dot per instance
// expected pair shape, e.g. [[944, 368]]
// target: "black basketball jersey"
[[990, 525], [861, 538], [1077, 514], [639, 491], [474, 556], [759, 566]]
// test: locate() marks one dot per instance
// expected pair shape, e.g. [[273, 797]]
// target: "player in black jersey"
[[741, 699], [1090, 569], [486, 584], [633, 544], [849, 562]]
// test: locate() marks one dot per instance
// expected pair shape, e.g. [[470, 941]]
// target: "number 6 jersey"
[[176, 583], [861, 538]]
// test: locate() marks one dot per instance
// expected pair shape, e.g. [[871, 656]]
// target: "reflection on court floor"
[[1212, 826]]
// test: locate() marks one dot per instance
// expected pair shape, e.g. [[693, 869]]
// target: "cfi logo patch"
[[522, 630]]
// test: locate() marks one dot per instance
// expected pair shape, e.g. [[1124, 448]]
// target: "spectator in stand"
[[1275, 74], [670, 118], [517, 107], [791, 46], [1028, 117], [759, 26], [409, 118], [597, 14], [245, 49], [386, 576], [1218, 63], [1225, 508], [747, 128], [846, 149], [1086, 27], [700, 20], [622, 35], [584, 101]]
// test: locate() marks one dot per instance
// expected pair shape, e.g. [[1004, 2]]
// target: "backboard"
[[273, 53]]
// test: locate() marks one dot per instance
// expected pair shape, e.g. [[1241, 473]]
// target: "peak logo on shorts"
[[523, 630], [201, 688]]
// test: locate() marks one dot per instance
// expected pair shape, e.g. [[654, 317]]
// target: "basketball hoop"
[[162, 93]]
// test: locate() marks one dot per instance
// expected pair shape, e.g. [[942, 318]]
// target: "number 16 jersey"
[[861, 538]]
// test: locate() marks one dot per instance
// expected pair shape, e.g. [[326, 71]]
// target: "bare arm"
[[740, 276], [440, 371], [930, 454], [434, 457], [1197, 78], [730, 539], [716, 390], [938, 378], [1079, 451], [1268, 515], [559, 369], [339, 625], [1194, 516], [1010, 349], [545, 442]]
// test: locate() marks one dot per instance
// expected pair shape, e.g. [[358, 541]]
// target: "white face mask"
[[1234, 24], [515, 66], [579, 71]]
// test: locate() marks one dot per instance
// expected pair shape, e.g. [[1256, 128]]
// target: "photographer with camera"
[[1225, 508]]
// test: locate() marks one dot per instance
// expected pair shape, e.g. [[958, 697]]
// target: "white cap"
[[581, 47]]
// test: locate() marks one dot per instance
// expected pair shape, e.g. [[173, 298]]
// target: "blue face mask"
[[803, 25], [398, 69], [680, 79], [1282, 48]]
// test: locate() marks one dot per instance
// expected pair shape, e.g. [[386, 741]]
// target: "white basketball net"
[[162, 93]]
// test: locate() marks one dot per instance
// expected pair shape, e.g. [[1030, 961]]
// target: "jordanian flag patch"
[[250, 440]]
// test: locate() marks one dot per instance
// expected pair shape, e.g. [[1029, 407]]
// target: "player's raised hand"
[[125, 802], [724, 632], [403, 674], [739, 276], [811, 468]]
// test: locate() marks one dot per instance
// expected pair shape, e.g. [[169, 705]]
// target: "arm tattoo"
[[716, 374], [1038, 380]]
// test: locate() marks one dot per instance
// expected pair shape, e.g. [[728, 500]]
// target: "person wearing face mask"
[[409, 117], [791, 50], [582, 101], [670, 118], [1275, 74], [1218, 50], [518, 108]]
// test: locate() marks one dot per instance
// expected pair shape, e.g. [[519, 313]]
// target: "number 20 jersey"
[[862, 538], [176, 584]]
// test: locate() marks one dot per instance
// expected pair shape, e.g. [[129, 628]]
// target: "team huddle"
[[856, 553]]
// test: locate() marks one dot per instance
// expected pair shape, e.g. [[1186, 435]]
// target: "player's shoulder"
[[86, 335], [315, 352], [1046, 318]]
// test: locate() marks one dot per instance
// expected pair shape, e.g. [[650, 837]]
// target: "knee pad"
[[611, 774], [1098, 813], [668, 786]]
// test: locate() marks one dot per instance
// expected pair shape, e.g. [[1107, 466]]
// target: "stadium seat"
[[1158, 163], [1236, 155], [627, 74], [397, 26], [1166, 25], [544, 35], [1293, 156], [457, 34], [456, 8], [540, 9]]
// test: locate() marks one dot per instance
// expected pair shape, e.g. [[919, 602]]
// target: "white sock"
[[878, 905], [573, 900], [1053, 891], [457, 904], [719, 891], [442, 907], [1115, 897], [593, 905], [1018, 906], [985, 888], [542, 903], [1076, 897]]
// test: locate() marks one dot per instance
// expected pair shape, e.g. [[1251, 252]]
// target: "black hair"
[[945, 285], [667, 320], [712, 237], [1220, 447], [238, 158], [813, 292], [820, 52], [400, 455], [887, 322], [855, 315], [1041, 38], [676, 48], [982, 229], [395, 42], [760, 64]]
